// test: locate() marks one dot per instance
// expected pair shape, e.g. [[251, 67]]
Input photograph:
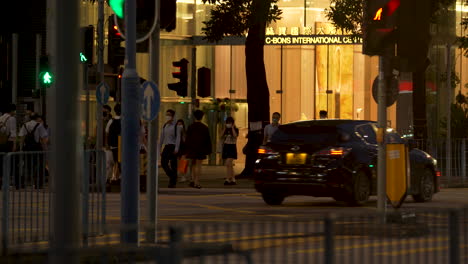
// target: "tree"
[[347, 15], [236, 18]]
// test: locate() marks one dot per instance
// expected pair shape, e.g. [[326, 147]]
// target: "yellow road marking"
[[212, 207], [181, 196], [376, 244]]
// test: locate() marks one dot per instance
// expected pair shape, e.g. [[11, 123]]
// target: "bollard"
[[454, 239], [329, 243]]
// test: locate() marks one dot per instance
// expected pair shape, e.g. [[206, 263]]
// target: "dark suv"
[[333, 158]]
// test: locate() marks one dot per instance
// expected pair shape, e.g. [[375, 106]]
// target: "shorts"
[[229, 151]]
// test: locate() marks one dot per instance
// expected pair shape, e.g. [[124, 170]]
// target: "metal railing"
[[411, 236], [451, 159], [27, 193]]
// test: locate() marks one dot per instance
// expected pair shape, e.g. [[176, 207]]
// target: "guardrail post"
[[454, 239], [463, 160], [103, 172], [85, 198], [6, 196], [329, 243], [175, 250]]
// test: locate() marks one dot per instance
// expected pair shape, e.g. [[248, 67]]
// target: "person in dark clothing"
[[198, 146], [171, 148], [113, 132]]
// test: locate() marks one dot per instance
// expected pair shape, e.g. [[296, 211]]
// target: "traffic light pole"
[[153, 146], [100, 30], [382, 125], [66, 148], [130, 133]]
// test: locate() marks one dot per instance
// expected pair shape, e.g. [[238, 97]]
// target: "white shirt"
[[10, 125], [169, 136], [110, 122], [270, 129], [40, 132]]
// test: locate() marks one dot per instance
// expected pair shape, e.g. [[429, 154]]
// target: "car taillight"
[[336, 152], [438, 173], [265, 150]]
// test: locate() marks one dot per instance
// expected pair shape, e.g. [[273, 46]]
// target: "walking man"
[[8, 130], [171, 147], [113, 130]]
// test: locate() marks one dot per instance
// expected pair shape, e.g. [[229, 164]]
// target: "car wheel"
[[339, 197], [272, 198], [426, 188], [361, 188]]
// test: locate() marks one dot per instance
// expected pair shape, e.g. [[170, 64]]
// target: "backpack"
[[114, 133], [30, 143], [4, 135]]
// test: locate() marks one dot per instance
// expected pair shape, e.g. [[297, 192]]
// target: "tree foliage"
[[235, 17]]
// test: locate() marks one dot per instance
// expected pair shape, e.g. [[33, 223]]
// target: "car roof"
[[329, 122]]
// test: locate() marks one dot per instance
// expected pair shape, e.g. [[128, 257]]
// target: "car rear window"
[[294, 133]]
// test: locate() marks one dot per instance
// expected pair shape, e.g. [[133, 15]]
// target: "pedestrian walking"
[[229, 152], [182, 162], [270, 129], [8, 130], [106, 117], [198, 143], [33, 137], [171, 147], [113, 132]]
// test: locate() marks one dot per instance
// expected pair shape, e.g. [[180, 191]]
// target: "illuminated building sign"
[[312, 40]]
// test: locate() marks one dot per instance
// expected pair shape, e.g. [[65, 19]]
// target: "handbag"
[[182, 166]]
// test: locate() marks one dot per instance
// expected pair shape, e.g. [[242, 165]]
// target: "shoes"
[[233, 183], [226, 182], [182, 179], [192, 184], [197, 186]]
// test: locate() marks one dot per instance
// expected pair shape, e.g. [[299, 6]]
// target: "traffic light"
[[380, 21], [46, 78], [168, 15], [118, 6], [115, 53], [86, 54], [204, 82], [182, 75], [413, 35]]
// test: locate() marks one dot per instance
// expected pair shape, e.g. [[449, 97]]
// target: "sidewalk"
[[211, 177]]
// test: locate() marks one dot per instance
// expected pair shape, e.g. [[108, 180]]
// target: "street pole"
[[66, 148], [100, 31], [86, 87], [381, 152], [153, 146], [14, 70], [448, 145], [130, 132]]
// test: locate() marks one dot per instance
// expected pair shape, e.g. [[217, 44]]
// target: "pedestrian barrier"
[[451, 159], [403, 236], [28, 191]]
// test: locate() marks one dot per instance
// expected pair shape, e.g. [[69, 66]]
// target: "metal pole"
[[86, 87], [100, 30], [152, 168], [193, 82], [14, 71], [38, 58], [382, 124], [66, 149], [448, 145], [130, 132]]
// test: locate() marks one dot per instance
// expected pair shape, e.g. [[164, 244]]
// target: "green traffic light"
[[118, 7], [46, 78], [83, 57]]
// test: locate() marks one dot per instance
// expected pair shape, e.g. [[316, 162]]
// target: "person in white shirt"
[[8, 127], [171, 145], [270, 129], [34, 137], [113, 132]]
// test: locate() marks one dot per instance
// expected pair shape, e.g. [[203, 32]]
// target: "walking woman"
[[182, 163], [229, 140]]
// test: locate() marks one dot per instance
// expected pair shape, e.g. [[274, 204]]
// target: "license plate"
[[296, 158]]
